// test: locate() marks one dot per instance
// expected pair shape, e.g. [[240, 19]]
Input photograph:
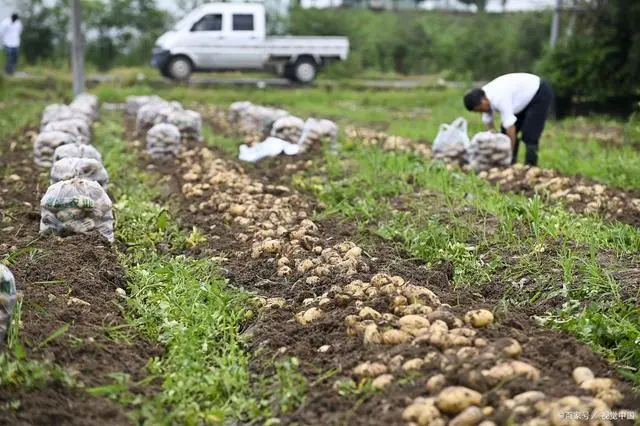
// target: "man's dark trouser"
[[12, 59], [530, 121]]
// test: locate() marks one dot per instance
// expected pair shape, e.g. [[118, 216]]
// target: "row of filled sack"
[[163, 125], [76, 202], [271, 131], [484, 151]]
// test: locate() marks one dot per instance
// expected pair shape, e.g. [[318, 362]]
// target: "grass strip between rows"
[[187, 306]]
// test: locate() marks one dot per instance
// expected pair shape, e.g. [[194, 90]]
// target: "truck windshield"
[[185, 22]]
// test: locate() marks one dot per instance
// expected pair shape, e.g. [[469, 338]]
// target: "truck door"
[[205, 40], [244, 40]]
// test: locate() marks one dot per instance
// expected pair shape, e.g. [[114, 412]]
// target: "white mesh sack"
[[488, 150], [146, 117], [163, 141], [7, 301], [188, 122], [78, 128], [85, 168], [56, 112], [452, 142], [87, 104], [76, 150], [134, 103], [315, 131], [288, 128], [236, 109], [46, 144], [76, 206], [259, 119], [162, 114]]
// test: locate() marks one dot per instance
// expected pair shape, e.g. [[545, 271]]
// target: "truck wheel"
[[305, 70], [179, 68]]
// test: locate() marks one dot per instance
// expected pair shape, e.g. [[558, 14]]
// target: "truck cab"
[[232, 36]]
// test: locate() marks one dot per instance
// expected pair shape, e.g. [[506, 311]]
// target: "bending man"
[[523, 102]]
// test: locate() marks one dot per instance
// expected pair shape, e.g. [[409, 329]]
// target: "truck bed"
[[334, 47]]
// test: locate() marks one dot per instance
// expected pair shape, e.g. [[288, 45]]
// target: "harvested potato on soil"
[[479, 318], [382, 381], [395, 337], [370, 369], [310, 315], [455, 399]]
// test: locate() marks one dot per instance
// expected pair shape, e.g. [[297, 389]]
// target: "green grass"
[[188, 307]]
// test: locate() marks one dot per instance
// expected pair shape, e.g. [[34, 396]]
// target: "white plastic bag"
[[78, 128], [85, 168], [270, 147], [163, 141], [452, 142], [488, 150], [76, 150], [7, 301], [45, 145], [76, 206]]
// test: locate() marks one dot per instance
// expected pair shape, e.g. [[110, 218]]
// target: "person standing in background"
[[10, 32]]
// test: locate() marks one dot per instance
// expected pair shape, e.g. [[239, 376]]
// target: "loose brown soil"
[[276, 332], [64, 282]]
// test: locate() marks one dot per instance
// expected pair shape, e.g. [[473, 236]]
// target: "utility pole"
[[555, 23], [77, 48]]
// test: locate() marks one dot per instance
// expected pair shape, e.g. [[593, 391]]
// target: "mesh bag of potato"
[[488, 150], [316, 131], [146, 116], [46, 144], [188, 122], [237, 108], [452, 142], [76, 206], [7, 301], [259, 119], [76, 150], [163, 141], [288, 128], [88, 104], [80, 129], [134, 103], [85, 168]]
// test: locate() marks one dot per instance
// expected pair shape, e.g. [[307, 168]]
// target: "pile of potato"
[[76, 206], [488, 150], [7, 301], [461, 367], [163, 141]]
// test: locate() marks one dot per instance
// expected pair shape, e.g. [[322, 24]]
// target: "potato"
[[372, 336], [237, 210], [479, 318], [354, 252], [480, 343], [382, 381], [390, 290], [275, 302], [312, 280], [415, 332], [487, 423], [417, 309], [467, 353], [444, 315], [510, 370], [380, 280], [370, 369], [435, 383], [305, 265], [324, 301], [417, 293], [395, 337], [396, 362], [397, 281], [582, 374], [324, 349], [310, 315], [597, 385], [455, 399], [528, 398], [284, 271], [471, 416], [389, 317], [413, 364], [422, 413], [509, 347], [413, 321], [439, 326], [610, 396]]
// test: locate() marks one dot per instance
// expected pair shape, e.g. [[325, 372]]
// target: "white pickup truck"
[[232, 36]]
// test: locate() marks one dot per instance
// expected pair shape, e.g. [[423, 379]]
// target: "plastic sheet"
[[76, 206], [85, 168], [270, 147]]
